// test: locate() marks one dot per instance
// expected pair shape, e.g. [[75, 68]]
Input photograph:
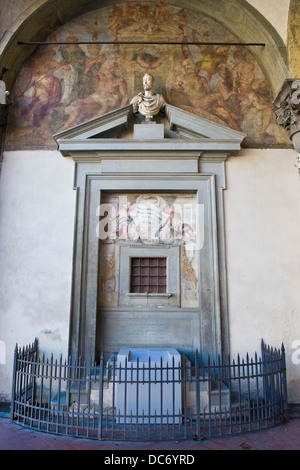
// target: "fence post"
[[197, 395], [100, 396], [13, 391], [284, 384]]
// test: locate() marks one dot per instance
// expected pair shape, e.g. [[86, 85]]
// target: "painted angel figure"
[[175, 227], [123, 219]]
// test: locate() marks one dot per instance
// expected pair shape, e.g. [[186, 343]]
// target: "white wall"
[[36, 246], [276, 12], [262, 215]]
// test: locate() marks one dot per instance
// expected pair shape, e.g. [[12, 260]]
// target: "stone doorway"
[[148, 292], [188, 162]]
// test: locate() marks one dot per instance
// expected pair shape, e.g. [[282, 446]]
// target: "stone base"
[[148, 132]]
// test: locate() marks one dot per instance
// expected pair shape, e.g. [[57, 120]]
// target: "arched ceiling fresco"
[[60, 86]]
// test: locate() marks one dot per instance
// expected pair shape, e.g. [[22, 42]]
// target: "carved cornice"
[[287, 103], [193, 134]]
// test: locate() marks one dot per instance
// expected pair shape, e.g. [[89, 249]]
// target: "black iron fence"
[[143, 399]]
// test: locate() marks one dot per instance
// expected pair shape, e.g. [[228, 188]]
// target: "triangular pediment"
[[118, 119], [182, 130], [195, 126]]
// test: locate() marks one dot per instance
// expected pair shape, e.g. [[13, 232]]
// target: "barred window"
[[148, 275]]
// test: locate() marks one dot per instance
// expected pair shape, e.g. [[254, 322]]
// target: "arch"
[[44, 16]]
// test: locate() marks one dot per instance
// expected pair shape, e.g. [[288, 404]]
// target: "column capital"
[[287, 104]]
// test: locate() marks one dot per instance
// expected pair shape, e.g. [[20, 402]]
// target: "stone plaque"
[[147, 331]]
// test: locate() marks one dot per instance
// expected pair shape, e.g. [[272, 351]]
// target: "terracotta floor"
[[282, 437]]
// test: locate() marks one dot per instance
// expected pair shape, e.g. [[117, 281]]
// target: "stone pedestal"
[[150, 380], [148, 131]]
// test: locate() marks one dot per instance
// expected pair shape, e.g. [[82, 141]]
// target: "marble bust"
[[148, 104]]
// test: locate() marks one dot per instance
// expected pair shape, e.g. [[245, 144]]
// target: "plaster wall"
[[9, 15], [262, 218], [36, 244], [275, 12]]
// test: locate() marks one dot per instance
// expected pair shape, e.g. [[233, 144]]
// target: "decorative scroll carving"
[[287, 103]]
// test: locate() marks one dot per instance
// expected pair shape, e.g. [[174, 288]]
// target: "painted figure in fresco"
[[121, 17], [73, 64], [110, 93], [178, 18], [41, 92], [148, 104], [151, 221], [171, 222], [123, 219], [212, 57], [258, 115], [175, 227], [192, 91]]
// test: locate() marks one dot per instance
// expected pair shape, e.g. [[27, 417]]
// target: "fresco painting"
[[156, 220], [61, 86]]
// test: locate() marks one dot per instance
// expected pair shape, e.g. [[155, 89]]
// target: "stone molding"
[[86, 141], [212, 337], [191, 160]]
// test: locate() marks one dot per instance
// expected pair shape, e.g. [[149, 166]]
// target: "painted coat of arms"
[[151, 220]]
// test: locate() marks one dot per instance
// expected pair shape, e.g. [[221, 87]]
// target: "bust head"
[[148, 81]]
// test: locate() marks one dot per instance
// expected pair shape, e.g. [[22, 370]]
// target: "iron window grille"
[[148, 276]]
